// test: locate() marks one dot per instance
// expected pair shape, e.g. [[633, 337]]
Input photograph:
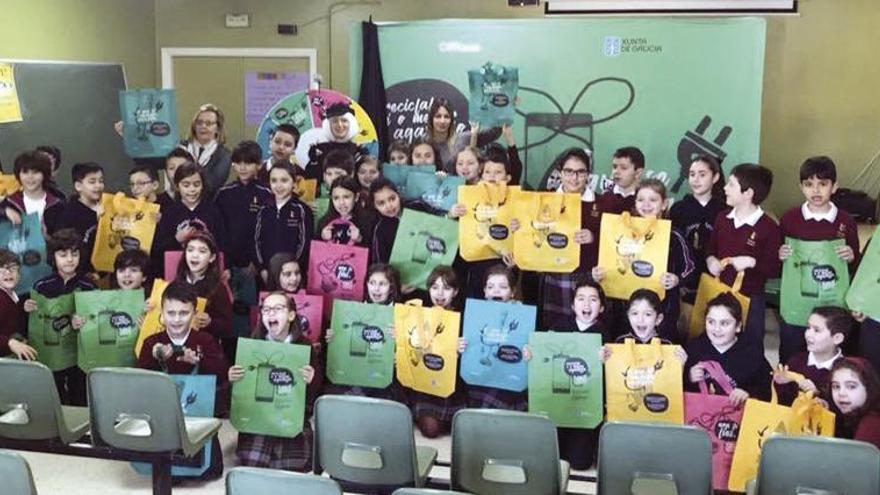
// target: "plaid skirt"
[[494, 398], [557, 293], [266, 451], [440, 408]]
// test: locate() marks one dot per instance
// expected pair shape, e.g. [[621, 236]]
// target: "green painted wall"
[[83, 30]]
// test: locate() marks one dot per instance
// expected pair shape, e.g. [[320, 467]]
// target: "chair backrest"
[[29, 405], [16, 475], [135, 409], [823, 465], [363, 440], [495, 451], [654, 458], [255, 481], [425, 491]]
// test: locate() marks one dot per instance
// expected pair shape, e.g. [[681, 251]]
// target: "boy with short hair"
[[817, 219], [174, 159], [282, 144], [143, 182], [749, 239], [81, 212], [14, 328], [627, 166], [827, 329], [63, 254], [337, 163], [33, 169]]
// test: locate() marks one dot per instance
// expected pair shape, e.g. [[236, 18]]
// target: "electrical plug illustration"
[[695, 144]]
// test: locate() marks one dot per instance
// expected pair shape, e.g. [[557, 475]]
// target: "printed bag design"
[[360, 353], [634, 253], [814, 275], [545, 240], [496, 333], [644, 382], [27, 242], [493, 89], [426, 354], [125, 224], [423, 242], [484, 231], [50, 331], [110, 331]]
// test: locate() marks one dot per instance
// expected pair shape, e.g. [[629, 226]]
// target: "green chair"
[[30, 408], [139, 410], [654, 459], [15, 475], [364, 442], [255, 481], [506, 452], [817, 465], [425, 491]]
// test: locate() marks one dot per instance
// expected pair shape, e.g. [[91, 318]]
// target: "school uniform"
[[757, 236], [695, 221], [620, 339], [215, 159], [164, 200], [801, 223], [70, 382], [446, 154], [680, 263], [317, 152], [14, 320], [743, 362], [204, 217], [78, 216], [238, 204], [818, 372], [867, 429], [290, 454], [288, 227], [382, 239], [339, 228], [557, 289], [869, 342], [265, 168], [218, 307], [616, 201], [49, 209]]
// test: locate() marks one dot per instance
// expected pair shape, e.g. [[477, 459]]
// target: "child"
[[469, 164], [143, 182], [176, 158], [423, 153], [130, 271], [817, 219], [748, 372], [382, 284], [200, 269], [279, 323], [14, 328], [855, 390], [434, 414], [398, 152], [281, 147], [179, 351], [500, 286], [694, 215], [749, 238], [367, 171], [386, 202], [343, 223], [627, 166], [643, 311], [63, 252], [827, 329], [285, 224], [81, 212], [338, 163], [33, 169], [497, 167], [238, 204], [54, 155], [191, 212], [285, 274]]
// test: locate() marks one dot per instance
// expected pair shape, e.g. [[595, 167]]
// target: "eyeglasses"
[[142, 183], [268, 310], [11, 267], [571, 173]]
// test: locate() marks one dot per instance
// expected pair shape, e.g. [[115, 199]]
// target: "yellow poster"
[[10, 109], [427, 347]]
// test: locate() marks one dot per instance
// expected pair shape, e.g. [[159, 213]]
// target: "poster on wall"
[[630, 83], [10, 108], [262, 90]]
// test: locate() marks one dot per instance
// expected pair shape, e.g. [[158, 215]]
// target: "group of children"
[[256, 227]]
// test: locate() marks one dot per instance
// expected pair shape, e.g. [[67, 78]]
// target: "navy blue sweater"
[[238, 204], [287, 229]]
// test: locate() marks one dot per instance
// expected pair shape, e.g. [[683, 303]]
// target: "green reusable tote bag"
[[865, 289], [565, 378], [271, 398], [50, 331], [27, 242], [361, 352], [812, 276], [110, 331], [440, 193], [322, 206], [493, 89], [423, 242], [397, 174]]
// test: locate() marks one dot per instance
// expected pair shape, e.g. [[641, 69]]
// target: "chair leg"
[[162, 477]]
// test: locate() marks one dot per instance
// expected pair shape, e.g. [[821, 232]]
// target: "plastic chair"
[[139, 410], [506, 452], [30, 408], [368, 442], [16, 474], [425, 491], [817, 465], [255, 481], [654, 459]]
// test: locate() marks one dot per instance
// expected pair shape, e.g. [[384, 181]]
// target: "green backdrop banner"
[[673, 87]]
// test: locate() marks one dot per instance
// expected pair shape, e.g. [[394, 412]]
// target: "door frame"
[[169, 53]]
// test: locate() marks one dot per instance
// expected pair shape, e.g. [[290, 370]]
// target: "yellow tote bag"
[[634, 252], [643, 382], [762, 419], [709, 288], [152, 323], [305, 189], [545, 239], [484, 230], [426, 356], [8, 185], [125, 224]]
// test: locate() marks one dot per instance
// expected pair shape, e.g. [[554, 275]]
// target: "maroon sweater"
[[760, 242], [793, 224], [12, 316], [868, 429], [788, 392], [212, 361], [609, 202]]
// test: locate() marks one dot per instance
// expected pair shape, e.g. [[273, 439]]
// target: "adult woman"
[[206, 143], [441, 132], [337, 131]]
